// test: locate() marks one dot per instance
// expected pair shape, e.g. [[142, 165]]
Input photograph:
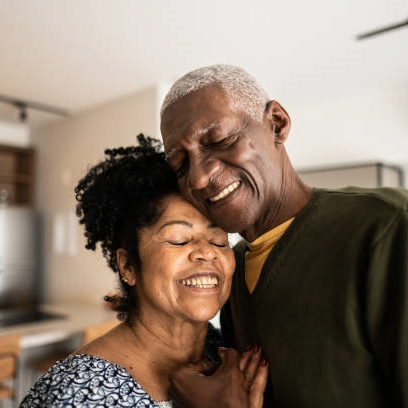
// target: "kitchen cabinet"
[[16, 175]]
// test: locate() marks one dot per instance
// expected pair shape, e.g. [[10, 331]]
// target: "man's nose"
[[203, 251], [201, 170]]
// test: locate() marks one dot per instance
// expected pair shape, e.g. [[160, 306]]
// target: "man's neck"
[[293, 196]]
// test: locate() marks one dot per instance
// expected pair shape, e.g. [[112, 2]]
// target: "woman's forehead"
[[178, 211]]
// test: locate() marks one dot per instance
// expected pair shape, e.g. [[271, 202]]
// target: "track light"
[[23, 106], [382, 30]]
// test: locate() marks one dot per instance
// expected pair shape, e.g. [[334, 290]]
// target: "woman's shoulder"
[[86, 381]]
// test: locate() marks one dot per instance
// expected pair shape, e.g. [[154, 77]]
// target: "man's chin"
[[227, 217], [229, 224]]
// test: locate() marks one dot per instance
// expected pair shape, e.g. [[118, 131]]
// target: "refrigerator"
[[19, 257]]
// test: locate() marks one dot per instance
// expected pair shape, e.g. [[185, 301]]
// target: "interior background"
[[109, 63]]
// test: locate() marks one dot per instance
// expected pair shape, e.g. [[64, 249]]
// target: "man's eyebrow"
[[199, 132], [207, 129], [179, 222]]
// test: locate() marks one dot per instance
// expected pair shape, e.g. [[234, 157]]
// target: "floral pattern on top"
[[87, 381]]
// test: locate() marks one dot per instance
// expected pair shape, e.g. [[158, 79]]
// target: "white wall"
[[162, 88], [64, 152], [360, 127]]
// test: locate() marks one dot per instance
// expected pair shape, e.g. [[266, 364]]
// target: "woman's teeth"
[[202, 282], [227, 190]]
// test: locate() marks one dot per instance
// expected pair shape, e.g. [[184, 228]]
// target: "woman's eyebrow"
[[180, 222]]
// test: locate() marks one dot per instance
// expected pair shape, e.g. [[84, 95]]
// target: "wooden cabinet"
[[16, 175]]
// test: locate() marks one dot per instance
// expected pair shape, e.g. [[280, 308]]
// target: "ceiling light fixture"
[[22, 107], [382, 30]]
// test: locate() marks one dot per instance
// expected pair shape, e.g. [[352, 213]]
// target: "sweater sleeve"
[[387, 307]]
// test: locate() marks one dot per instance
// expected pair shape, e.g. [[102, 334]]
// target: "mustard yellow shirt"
[[259, 251]]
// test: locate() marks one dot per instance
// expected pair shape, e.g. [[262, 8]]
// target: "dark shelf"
[[17, 174]]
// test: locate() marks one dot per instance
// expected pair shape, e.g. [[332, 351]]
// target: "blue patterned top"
[[87, 381]]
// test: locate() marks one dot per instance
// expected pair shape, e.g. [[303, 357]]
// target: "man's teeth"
[[205, 282], [227, 190]]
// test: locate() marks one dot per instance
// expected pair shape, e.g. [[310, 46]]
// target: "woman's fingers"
[[245, 358], [257, 388], [251, 365], [255, 370], [190, 388]]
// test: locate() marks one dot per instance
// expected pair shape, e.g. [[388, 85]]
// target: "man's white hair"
[[242, 90]]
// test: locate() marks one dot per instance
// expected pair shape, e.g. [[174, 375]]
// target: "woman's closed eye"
[[182, 242], [219, 244], [178, 242]]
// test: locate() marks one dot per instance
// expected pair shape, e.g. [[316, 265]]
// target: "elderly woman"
[[175, 269]]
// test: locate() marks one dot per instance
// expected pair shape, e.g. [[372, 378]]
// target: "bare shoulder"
[[104, 345]]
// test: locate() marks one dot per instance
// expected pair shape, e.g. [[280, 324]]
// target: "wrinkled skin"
[[212, 147], [236, 171]]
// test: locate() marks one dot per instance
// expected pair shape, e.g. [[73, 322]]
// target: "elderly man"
[[322, 277]]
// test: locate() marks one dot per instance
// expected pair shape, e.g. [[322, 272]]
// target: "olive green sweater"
[[330, 309]]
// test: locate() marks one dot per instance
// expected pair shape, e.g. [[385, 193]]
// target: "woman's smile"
[[202, 281], [186, 265]]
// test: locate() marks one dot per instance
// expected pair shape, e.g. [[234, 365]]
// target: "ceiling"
[[79, 53]]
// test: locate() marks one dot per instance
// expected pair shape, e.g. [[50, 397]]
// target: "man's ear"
[[126, 268], [278, 120]]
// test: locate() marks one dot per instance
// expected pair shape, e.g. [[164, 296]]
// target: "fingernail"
[[264, 362], [221, 349], [255, 349], [248, 347]]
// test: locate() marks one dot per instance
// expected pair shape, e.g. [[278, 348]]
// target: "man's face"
[[227, 165]]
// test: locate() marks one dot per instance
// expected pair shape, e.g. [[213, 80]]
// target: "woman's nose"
[[203, 251]]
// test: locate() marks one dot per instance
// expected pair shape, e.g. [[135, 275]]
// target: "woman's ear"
[[278, 120], [126, 268]]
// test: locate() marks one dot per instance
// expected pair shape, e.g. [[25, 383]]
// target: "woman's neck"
[[169, 345], [152, 351]]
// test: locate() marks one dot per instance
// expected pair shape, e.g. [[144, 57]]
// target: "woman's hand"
[[238, 382], [255, 370], [198, 385]]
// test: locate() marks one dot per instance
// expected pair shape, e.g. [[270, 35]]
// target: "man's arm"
[[387, 308]]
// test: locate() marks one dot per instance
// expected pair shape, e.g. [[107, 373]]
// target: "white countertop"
[[77, 317]]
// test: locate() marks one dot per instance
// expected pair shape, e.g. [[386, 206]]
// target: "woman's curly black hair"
[[118, 197]]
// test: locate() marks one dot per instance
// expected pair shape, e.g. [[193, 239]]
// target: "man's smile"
[[225, 192]]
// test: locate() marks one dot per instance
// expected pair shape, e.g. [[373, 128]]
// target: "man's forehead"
[[208, 98], [194, 116]]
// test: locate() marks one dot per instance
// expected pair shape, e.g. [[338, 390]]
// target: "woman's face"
[[186, 265]]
